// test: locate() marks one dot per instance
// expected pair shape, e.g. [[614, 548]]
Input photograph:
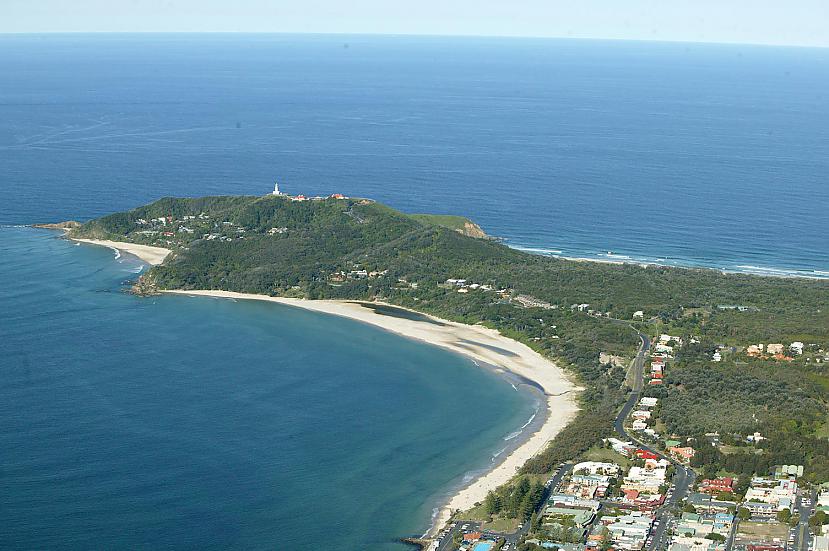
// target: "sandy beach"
[[150, 255], [479, 343]]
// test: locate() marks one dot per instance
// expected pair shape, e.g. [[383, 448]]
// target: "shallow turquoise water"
[[178, 422]]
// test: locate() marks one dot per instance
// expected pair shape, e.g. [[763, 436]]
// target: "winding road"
[[683, 476]]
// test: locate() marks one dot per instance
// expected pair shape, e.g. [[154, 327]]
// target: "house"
[[338, 196], [754, 350], [622, 448], [779, 494], [648, 402], [639, 425], [774, 349], [717, 485], [646, 454], [754, 438], [665, 339], [685, 453], [597, 467], [630, 531], [642, 414], [639, 315], [472, 536], [796, 347], [760, 509]]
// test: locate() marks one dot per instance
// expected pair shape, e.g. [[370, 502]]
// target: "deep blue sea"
[[200, 423], [714, 155]]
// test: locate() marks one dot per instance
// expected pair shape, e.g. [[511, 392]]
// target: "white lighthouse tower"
[[276, 189]]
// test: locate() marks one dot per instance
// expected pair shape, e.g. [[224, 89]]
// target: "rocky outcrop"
[[66, 226], [472, 229]]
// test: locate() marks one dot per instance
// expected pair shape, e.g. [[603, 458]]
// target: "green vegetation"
[[515, 500], [360, 250]]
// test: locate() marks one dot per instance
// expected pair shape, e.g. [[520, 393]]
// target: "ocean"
[[685, 154], [201, 423], [179, 422]]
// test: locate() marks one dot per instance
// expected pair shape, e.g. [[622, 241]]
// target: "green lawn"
[[600, 453]]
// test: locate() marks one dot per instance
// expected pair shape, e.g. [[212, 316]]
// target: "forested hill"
[[274, 245]]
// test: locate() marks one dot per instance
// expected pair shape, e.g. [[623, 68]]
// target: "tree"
[[818, 519], [784, 515], [689, 508], [492, 503], [743, 513], [715, 537]]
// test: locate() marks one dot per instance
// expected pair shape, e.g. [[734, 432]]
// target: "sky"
[[778, 22]]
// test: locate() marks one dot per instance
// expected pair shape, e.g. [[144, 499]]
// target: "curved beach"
[[477, 342], [151, 255], [482, 345]]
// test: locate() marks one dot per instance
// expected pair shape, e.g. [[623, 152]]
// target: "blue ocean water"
[[179, 422], [690, 154], [201, 423]]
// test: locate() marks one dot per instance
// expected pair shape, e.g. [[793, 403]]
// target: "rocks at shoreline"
[[68, 225]]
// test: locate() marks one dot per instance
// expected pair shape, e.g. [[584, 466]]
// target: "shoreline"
[[151, 255], [739, 269], [489, 350]]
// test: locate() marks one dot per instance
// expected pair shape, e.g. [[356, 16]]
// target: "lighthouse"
[[276, 189]]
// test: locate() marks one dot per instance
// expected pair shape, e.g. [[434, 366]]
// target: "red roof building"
[[645, 454], [716, 485], [684, 453]]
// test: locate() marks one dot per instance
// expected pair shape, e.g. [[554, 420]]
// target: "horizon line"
[[422, 35]]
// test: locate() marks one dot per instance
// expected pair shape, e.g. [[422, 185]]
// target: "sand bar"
[[479, 343], [150, 255]]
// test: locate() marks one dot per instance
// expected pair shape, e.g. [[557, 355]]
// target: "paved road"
[[802, 536], [683, 476], [446, 541], [729, 543]]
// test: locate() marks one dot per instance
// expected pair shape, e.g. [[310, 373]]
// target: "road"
[[804, 502], [683, 476]]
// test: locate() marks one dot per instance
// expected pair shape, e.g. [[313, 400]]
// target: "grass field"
[[599, 453], [765, 531]]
